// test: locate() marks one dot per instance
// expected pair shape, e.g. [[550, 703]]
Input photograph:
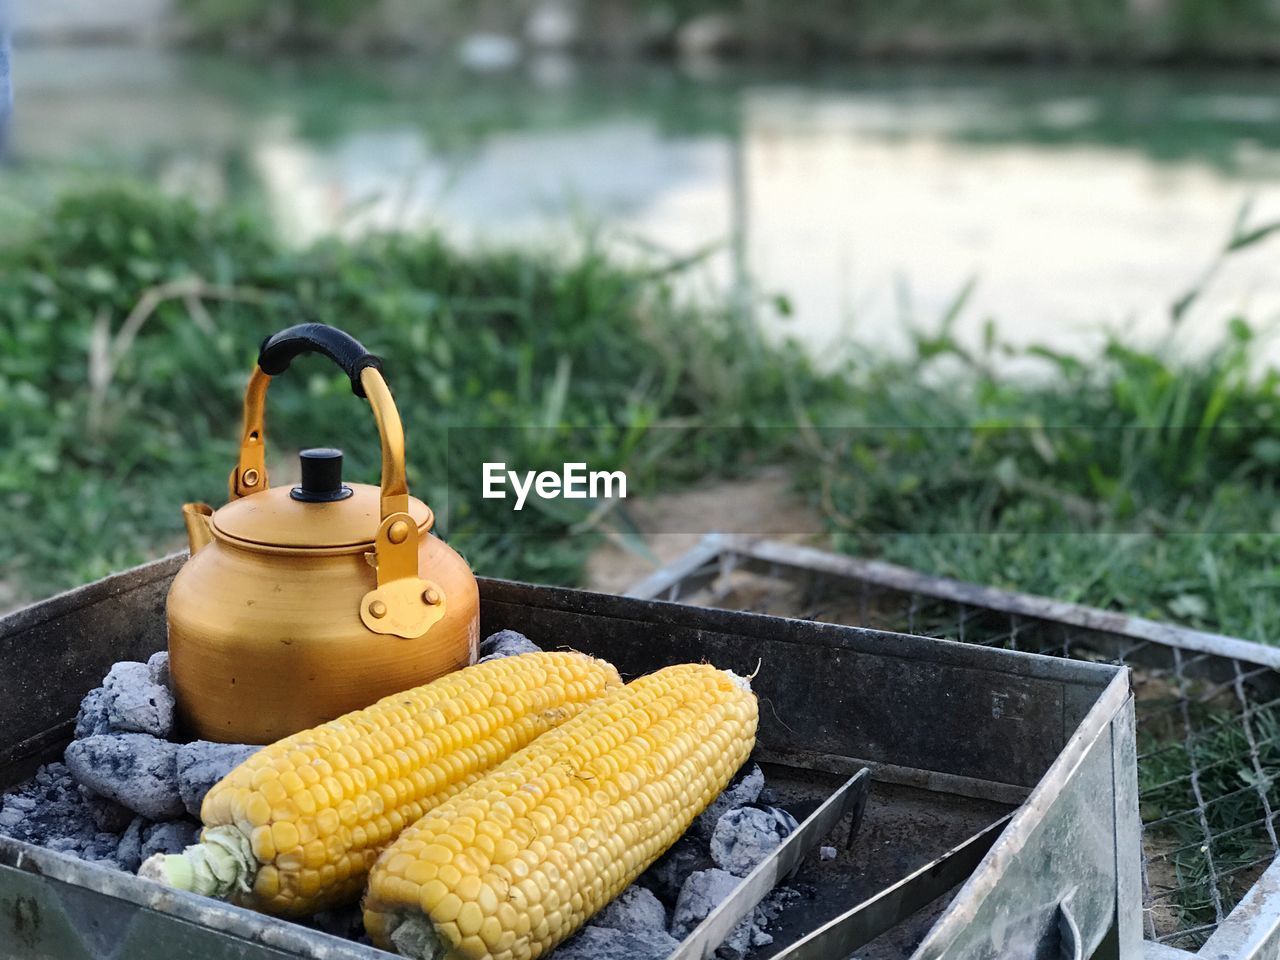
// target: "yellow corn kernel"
[[315, 808], [580, 813]]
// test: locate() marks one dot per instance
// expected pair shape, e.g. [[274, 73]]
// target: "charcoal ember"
[[702, 893], [134, 769], [109, 816], [635, 910], [745, 837], [172, 836], [668, 873], [48, 810], [135, 702], [745, 789], [506, 643], [201, 764], [129, 851], [158, 668], [605, 943], [92, 718], [102, 848]]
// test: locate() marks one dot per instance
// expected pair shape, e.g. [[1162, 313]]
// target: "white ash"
[[133, 769], [505, 643], [706, 890], [826, 853], [635, 910], [605, 943], [92, 718], [744, 789], [703, 892], [745, 837], [135, 702], [158, 667], [632, 927], [202, 763]]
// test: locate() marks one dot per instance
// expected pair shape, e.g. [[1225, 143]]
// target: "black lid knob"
[[321, 476]]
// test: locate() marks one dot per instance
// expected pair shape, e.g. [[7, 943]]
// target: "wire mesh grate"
[[1208, 725]]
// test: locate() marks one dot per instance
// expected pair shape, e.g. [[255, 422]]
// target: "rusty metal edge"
[[895, 577], [62, 604], [236, 922]]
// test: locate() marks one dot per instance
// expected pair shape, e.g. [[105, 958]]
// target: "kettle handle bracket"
[[403, 604]]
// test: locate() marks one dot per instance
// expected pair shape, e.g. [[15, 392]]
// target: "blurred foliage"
[[1001, 29], [1130, 479], [129, 322]]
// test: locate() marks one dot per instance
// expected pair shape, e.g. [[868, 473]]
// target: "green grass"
[[1234, 812], [129, 322], [1127, 480]]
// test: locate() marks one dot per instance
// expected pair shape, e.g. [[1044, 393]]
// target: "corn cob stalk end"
[[221, 863]]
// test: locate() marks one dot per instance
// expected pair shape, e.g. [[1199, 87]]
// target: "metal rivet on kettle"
[[431, 597], [250, 477], [377, 609], [399, 530]]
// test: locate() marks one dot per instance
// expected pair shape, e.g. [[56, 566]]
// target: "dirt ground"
[[763, 505]]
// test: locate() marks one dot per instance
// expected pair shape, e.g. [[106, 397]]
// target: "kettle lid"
[[321, 512]]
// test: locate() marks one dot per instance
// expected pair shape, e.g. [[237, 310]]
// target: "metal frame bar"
[[849, 798], [1250, 931]]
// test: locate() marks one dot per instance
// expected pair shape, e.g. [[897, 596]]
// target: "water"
[[869, 198]]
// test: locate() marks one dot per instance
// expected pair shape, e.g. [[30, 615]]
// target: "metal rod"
[[711, 932], [857, 927]]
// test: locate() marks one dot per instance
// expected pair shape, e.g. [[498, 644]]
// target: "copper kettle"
[[300, 604]]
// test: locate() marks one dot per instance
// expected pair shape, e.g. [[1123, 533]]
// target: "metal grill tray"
[[1003, 821], [1208, 716]]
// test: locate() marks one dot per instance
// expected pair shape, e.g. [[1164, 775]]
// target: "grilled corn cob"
[[296, 827], [515, 863]]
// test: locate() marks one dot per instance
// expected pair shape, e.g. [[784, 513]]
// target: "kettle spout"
[[198, 518]]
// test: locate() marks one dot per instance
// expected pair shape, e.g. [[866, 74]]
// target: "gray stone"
[[744, 837], [635, 910], [826, 853], [169, 837], [745, 789], [129, 850], [702, 893], [158, 667], [667, 875], [506, 643], [135, 702], [604, 943], [134, 769], [92, 718], [201, 764]]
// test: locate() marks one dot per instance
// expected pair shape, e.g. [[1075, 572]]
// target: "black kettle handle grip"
[[279, 350]]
